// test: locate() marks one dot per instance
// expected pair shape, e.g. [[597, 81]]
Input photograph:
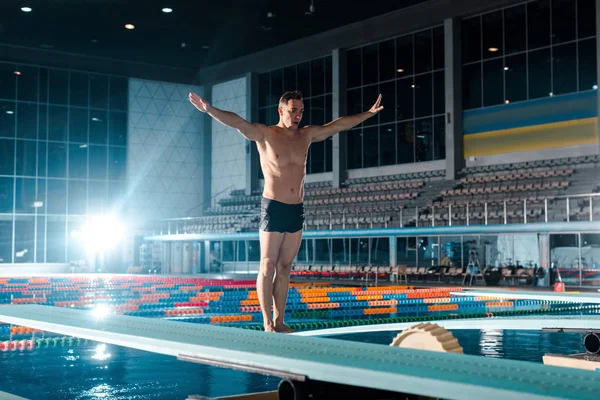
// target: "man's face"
[[291, 113]]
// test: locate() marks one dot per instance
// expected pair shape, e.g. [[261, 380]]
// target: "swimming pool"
[[43, 365]]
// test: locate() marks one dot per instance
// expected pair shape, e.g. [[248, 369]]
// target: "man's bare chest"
[[286, 150]]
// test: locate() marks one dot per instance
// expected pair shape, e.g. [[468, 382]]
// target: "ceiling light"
[[400, 70], [10, 112], [26, 9], [17, 72], [492, 49], [412, 86], [506, 68], [129, 26], [595, 87], [506, 101], [167, 10]]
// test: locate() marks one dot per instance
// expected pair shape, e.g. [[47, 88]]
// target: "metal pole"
[[580, 264], [568, 211], [401, 217], [467, 213], [525, 210], [485, 211], [450, 214], [546, 210], [505, 216], [416, 216], [591, 212], [432, 215]]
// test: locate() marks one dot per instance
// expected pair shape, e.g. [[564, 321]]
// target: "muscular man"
[[283, 149]]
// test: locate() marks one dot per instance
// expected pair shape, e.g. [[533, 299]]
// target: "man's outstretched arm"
[[320, 133], [250, 131]]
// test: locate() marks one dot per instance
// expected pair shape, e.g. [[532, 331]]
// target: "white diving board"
[[425, 373], [590, 298]]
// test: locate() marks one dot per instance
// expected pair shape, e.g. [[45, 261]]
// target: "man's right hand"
[[199, 102]]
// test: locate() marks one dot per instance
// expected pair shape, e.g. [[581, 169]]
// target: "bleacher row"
[[425, 197]]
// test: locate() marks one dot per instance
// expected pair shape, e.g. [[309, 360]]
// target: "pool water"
[[95, 371]]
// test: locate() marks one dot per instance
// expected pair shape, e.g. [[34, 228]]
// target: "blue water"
[[89, 371]]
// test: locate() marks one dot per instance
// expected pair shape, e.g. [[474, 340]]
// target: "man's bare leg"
[[270, 242], [287, 253]]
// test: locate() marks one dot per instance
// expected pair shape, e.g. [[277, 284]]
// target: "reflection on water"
[[97, 371]]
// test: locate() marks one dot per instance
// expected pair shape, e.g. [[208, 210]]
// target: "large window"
[[409, 73], [313, 79], [63, 137], [534, 50]]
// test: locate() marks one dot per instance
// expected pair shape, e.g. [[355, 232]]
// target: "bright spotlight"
[[26, 9], [167, 10], [101, 232], [100, 352], [101, 311]]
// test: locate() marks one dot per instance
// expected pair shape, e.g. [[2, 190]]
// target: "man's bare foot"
[[270, 327], [283, 328]]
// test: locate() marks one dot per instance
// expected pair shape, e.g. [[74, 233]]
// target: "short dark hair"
[[290, 95]]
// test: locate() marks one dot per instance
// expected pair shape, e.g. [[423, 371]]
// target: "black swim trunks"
[[276, 216]]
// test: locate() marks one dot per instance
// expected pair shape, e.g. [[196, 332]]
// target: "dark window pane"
[[328, 74], [354, 154], [24, 239], [404, 55], [369, 67], [7, 156], [289, 78], [97, 200], [423, 95], [26, 157], [42, 133], [317, 111], [493, 85], [538, 20], [439, 93], [586, 18], [515, 76], [424, 140], [353, 68], [78, 125], [117, 129], [6, 234], [515, 25], [58, 87], [58, 119], [98, 162], [7, 186], [404, 99], [564, 58], [118, 89], [27, 83], [262, 116], [371, 147], [472, 86], [79, 89], [471, 39], [40, 245], [370, 94], [8, 81], [305, 121], [25, 195], [41, 195], [77, 197], [438, 47], [328, 110], [492, 34], [539, 73], [99, 91], [55, 240], [263, 89], [78, 161], [98, 126], [423, 51], [57, 160], [27, 120], [42, 154], [354, 101], [563, 21], [387, 60], [7, 119], [276, 86], [328, 154], [304, 79], [273, 115], [587, 64], [405, 140], [317, 77], [43, 77], [439, 138], [387, 144], [317, 157], [388, 101], [57, 196], [117, 157]]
